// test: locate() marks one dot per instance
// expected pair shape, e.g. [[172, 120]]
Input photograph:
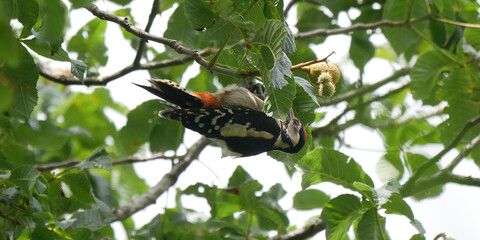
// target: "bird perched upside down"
[[233, 118]]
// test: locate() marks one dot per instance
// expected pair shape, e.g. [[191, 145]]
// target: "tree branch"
[[465, 151], [308, 231], [361, 91], [164, 184], [360, 26], [411, 182], [128, 160], [103, 80], [333, 127], [407, 118], [442, 178], [141, 46], [123, 21]]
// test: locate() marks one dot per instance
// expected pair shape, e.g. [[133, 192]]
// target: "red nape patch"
[[305, 132], [208, 100], [28, 87]]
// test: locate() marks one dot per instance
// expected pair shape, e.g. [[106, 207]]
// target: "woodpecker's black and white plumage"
[[240, 127]]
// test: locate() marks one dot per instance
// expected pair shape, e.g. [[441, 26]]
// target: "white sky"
[[456, 212]]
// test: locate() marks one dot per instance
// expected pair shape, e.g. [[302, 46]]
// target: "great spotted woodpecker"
[[234, 120]]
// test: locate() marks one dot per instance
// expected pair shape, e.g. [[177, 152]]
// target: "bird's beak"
[[290, 116]]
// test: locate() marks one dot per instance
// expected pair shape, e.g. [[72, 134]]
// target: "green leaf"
[[24, 177], [361, 49], [227, 10], [414, 161], [203, 82], [303, 105], [239, 176], [80, 3], [425, 74], [90, 132], [140, 123], [79, 185], [42, 232], [173, 72], [89, 43], [166, 135], [54, 23], [310, 199], [129, 185], [371, 226], [275, 193], [280, 100], [456, 89], [280, 72], [289, 46], [9, 48], [273, 9], [27, 12], [179, 29], [396, 205], [265, 57], [472, 37], [323, 165], [24, 77], [78, 68], [199, 14], [6, 97], [311, 18], [94, 218], [45, 49], [390, 167], [99, 159], [122, 2], [339, 214], [404, 40], [271, 218], [272, 35]]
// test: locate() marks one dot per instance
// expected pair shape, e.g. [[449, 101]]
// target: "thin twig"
[[141, 46], [309, 230], [359, 26], [296, 67], [163, 185], [411, 182], [128, 160], [465, 151], [174, 44], [103, 80]]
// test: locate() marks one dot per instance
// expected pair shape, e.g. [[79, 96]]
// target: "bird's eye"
[[296, 123]]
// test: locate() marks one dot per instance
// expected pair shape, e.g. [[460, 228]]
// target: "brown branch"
[[298, 66], [411, 182], [308, 231], [360, 26], [103, 80], [123, 22], [141, 46], [446, 175], [128, 160], [163, 185], [424, 114]]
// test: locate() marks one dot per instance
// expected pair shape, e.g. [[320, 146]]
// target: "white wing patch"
[[238, 130]]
